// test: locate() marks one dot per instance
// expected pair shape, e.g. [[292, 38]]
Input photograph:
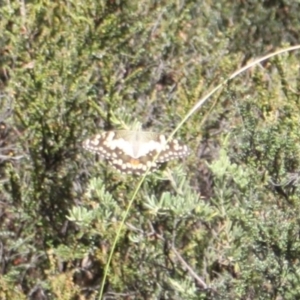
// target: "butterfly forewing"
[[132, 152]]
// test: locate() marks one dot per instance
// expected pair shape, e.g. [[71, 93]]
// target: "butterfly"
[[132, 152]]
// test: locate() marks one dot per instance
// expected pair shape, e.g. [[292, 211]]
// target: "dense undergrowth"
[[223, 223]]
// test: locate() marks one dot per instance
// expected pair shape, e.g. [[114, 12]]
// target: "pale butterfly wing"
[[132, 152]]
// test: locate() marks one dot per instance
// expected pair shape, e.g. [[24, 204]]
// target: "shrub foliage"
[[222, 224]]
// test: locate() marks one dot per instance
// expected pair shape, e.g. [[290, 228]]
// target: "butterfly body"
[[133, 152]]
